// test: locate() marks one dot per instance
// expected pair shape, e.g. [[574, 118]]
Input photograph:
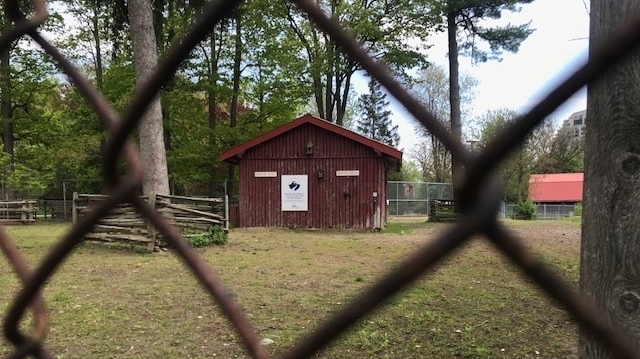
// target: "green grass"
[[112, 302], [404, 227]]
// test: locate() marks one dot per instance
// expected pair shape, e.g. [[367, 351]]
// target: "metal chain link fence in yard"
[[544, 210], [479, 196], [412, 198]]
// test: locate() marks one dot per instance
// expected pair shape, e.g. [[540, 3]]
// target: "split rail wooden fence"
[[124, 223], [443, 210], [18, 211]]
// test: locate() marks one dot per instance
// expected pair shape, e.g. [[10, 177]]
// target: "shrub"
[[218, 235], [215, 235], [526, 210], [578, 211]]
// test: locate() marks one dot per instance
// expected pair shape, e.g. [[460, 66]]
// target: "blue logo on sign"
[[294, 185]]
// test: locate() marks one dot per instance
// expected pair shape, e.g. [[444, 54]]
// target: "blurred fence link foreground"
[[479, 196]]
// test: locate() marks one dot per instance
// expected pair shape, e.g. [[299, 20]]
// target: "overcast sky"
[[556, 48]]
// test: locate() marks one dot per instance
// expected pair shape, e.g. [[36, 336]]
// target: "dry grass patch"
[[113, 302]]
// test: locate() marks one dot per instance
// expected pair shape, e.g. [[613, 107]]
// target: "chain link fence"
[[479, 196], [545, 210], [412, 198]]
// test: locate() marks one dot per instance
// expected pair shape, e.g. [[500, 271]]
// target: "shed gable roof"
[[232, 155], [556, 187]]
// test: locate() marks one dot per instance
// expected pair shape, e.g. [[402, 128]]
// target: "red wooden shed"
[[311, 173], [556, 188]]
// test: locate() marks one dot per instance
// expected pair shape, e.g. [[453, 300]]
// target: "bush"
[[578, 211], [525, 210], [216, 236]]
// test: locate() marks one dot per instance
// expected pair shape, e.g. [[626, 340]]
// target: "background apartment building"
[[577, 122]]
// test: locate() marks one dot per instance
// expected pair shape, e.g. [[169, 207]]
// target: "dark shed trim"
[[393, 155]]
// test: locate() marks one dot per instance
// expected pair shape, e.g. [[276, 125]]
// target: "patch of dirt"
[[550, 234]]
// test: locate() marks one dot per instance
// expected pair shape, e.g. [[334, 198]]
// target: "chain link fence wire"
[[479, 195], [413, 198]]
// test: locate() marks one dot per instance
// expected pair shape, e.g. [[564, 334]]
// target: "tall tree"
[[152, 149], [564, 152], [235, 95], [464, 17], [515, 169], [330, 71], [610, 247], [95, 37], [5, 111], [249, 81], [431, 87], [375, 121], [21, 72]]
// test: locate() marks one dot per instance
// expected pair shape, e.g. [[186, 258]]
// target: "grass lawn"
[[114, 302]]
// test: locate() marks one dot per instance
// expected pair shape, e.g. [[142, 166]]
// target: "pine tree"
[[374, 120], [463, 17]]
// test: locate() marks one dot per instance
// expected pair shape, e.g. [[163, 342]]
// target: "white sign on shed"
[[295, 194]]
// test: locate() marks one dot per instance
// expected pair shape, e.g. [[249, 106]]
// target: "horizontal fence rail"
[[479, 198], [18, 211], [125, 224]]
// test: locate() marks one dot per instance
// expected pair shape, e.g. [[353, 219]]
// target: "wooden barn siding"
[[328, 207], [260, 202]]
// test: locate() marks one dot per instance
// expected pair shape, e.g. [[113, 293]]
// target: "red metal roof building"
[[311, 173], [556, 187]]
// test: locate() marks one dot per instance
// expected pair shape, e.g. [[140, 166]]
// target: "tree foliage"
[[330, 72], [198, 103], [431, 87], [564, 155], [256, 70], [409, 172], [546, 150], [515, 169], [470, 16]]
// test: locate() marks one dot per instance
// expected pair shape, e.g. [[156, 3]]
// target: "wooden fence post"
[[32, 212], [226, 212], [74, 209], [151, 230]]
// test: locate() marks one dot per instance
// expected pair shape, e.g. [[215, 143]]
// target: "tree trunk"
[[118, 23], [328, 88], [213, 115], [610, 270], [337, 96], [233, 112], [95, 30], [152, 150], [7, 122], [158, 23], [454, 96], [343, 99]]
